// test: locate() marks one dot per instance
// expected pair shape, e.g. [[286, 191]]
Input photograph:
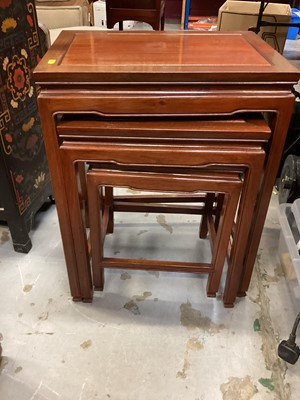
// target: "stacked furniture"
[[214, 193], [171, 107]]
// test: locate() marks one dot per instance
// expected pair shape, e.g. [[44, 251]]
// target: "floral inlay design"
[[8, 137], [6, 144], [21, 139], [39, 180], [18, 80], [30, 20], [8, 24]]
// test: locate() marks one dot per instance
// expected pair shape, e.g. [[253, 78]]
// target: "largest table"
[[161, 74]]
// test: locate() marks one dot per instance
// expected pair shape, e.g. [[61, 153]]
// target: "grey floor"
[[148, 335]]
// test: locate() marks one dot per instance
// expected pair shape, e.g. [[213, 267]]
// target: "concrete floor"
[[148, 335]]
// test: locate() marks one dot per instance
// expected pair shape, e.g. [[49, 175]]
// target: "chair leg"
[[121, 26], [162, 22]]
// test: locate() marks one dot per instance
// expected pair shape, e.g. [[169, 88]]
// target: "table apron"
[[212, 103]]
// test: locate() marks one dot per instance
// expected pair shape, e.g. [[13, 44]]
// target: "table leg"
[[60, 188], [280, 128], [70, 168]]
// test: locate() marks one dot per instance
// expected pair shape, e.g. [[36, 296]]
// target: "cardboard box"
[[243, 15]]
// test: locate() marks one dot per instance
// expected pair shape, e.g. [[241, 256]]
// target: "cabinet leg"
[[20, 238]]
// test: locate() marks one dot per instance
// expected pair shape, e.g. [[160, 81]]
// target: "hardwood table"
[[179, 75]]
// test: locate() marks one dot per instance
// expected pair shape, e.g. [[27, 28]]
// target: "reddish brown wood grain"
[[120, 93]]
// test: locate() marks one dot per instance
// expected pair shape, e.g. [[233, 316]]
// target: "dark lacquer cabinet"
[[24, 175]]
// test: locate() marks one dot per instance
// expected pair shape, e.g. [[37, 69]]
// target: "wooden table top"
[[175, 56]]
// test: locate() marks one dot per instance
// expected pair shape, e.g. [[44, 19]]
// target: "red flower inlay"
[[5, 3], [8, 137], [19, 78], [29, 20], [19, 178], [31, 141]]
